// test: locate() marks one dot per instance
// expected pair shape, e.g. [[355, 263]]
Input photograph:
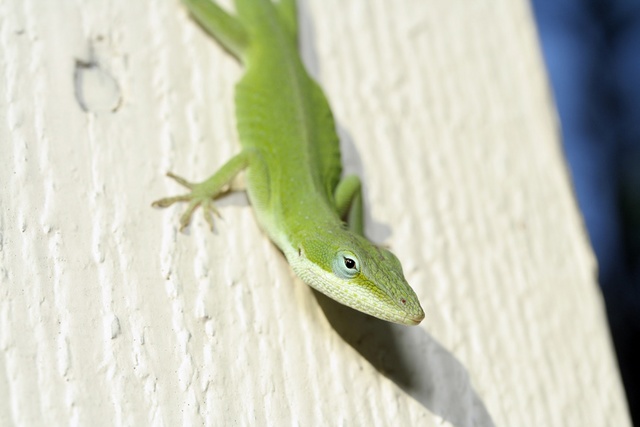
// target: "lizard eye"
[[346, 265], [349, 263]]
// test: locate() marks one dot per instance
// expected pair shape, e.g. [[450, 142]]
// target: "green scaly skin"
[[291, 156]]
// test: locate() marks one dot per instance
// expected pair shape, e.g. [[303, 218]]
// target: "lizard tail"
[[253, 12]]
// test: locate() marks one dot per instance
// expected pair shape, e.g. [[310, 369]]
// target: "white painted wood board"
[[109, 316]]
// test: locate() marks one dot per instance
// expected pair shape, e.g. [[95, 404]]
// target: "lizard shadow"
[[414, 361], [408, 356]]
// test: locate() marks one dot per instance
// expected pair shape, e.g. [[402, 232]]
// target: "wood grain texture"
[[109, 316]]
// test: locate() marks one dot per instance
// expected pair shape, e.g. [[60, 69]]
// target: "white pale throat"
[[345, 291]]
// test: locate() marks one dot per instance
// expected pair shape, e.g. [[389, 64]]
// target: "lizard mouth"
[[415, 320]]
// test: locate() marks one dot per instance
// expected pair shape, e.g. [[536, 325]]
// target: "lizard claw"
[[209, 211], [181, 181]]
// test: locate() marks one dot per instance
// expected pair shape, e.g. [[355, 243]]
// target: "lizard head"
[[353, 271]]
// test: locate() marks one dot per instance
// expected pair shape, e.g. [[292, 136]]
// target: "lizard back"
[[284, 114]]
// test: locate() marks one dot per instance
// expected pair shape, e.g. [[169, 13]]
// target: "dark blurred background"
[[592, 51]]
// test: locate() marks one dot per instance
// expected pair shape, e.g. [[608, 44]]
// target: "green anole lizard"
[[291, 155]]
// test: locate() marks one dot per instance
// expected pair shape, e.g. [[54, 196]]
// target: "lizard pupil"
[[349, 263]]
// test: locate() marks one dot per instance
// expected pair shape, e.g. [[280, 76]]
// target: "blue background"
[[592, 51]]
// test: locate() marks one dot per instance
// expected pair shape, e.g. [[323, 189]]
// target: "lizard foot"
[[200, 196]]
